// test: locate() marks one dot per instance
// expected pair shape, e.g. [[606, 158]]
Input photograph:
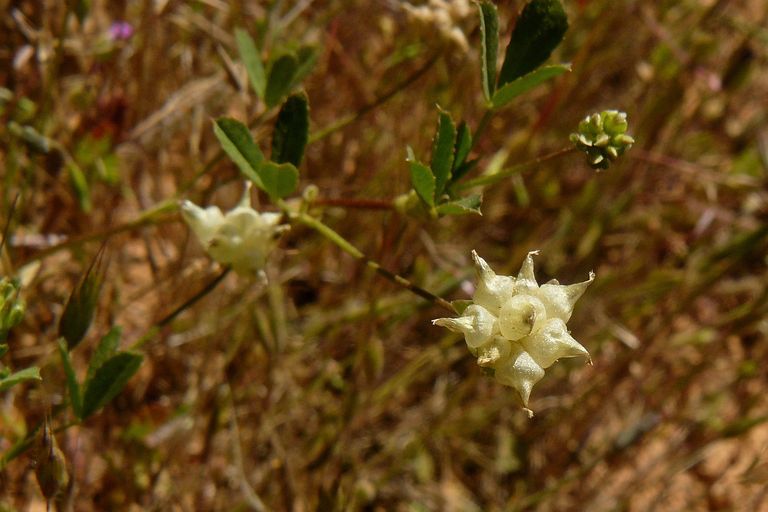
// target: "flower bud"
[[602, 137]]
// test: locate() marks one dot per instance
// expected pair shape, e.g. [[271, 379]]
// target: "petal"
[[560, 299], [245, 201], [491, 289], [520, 371], [202, 221], [526, 280], [520, 316], [494, 352], [551, 343], [477, 324]]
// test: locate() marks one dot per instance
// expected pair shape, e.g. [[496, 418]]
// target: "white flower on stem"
[[242, 238], [516, 326]]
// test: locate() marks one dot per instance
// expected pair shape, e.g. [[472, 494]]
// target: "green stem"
[[356, 253], [515, 169]]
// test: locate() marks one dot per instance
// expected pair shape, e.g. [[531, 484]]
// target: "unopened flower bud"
[[603, 138]]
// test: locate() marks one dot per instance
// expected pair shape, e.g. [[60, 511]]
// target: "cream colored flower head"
[[241, 238], [517, 327]]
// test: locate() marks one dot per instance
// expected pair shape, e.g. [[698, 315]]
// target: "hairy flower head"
[[517, 327], [242, 238]]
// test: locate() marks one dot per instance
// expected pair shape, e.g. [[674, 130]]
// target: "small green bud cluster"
[[603, 137], [11, 306]]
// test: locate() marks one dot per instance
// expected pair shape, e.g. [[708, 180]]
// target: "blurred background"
[[329, 389]]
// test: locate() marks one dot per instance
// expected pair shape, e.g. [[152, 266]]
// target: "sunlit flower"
[[517, 327], [242, 238]]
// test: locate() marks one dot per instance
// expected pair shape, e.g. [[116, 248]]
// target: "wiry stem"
[[515, 169], [356, 253]]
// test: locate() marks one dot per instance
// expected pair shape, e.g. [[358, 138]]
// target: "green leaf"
[[81, 305], [463, 206], [525, 83], [442, 152], [280, 80], [463, 146], [462, 170], [539, 29], [291, 130], [422, 179], [31, 373], [107, 348], [237, 142], [251, 58], [72, 384], [279, 180], [109, 380], [3, 349], [489, 37]]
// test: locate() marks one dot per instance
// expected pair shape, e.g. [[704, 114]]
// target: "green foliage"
[[450, 148], [78, 313], [238, 144], [489, 37], [106, 348], [527, 82], [75, 398], [31, 373], [539, 29], [280, 79], [277, 180], [108, 380], [108, 373], [465, 205], [422, 179], [442, 152], [249, 54], [12, 307], [291, 132]]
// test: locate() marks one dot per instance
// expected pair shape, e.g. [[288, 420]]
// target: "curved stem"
[[356, 253], [506, 173]]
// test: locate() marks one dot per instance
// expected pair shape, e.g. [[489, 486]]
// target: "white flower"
[[241, 238], [516, 326]]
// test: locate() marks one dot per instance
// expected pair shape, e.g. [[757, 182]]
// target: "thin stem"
[[356, 253], [205, 290], [506, 173], [361, 204], [350, 118]]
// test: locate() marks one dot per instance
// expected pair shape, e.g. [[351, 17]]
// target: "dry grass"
[[329, 389]]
